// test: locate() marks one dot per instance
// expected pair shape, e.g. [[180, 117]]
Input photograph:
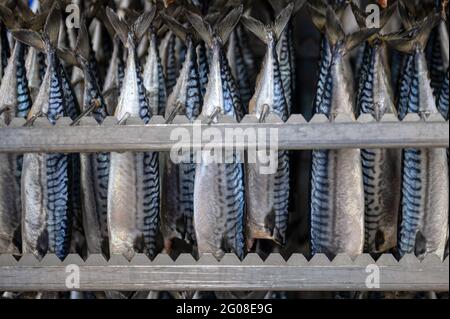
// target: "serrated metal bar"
[[229, 274], [295, 134]]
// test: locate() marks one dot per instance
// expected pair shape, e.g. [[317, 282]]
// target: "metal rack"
[[295, 134], [186, 273], [228, 274]]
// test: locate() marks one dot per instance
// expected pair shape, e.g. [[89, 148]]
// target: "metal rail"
[[295, 134], [229, 274]]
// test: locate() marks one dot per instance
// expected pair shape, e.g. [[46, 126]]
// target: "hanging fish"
[[219, 188], [116, 68], [133, 188], [425, 185], [381, 167], [203, 65], [178, 180], [94, 168], [72, 110], [268, 194], [46, 220], [154, 81], [236, 59], [337, 190], [15, 101], [168, 60]]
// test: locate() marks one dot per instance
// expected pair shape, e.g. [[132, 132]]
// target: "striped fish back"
[[404, 85], [443, 102], [172, 66], [435, 61], [151, 202], [23, 93], [284, 56], [203, 66], [324, 65], [194, 98], [234, 232], [231, 100]]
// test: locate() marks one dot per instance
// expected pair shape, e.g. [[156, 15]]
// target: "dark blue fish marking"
[[23, 93], [232, 101], [4, 46], [365, 87], [242, 75], [412, 194], [435, 61], [171, 67], [59, 218], [411, 200], [151, 185], [151, 189], [320, 220], [203, 66], [443, 101], [286, 64], [324, 64], [404, 85], [235, 227]]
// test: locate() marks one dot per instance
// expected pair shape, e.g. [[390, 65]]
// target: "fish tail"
[[137, 29]]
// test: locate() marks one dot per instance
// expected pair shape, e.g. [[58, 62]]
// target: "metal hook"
[[212, 116], [174, 112], [124, 119], [264, 113], [94, 105], [32, 119]]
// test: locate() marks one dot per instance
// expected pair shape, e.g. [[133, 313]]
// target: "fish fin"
[[142, 23], [67, 56], [53, 25], [317, 17], [358, 37], [7, 16], [201, 26], [278, 5], [298, 5], [119, 26], [406, 42], [282, 20], [29, 37], [256, 27], [227, 25], [334, 30], [175, 27], [101, 15], [83, 46], [37, 22]]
